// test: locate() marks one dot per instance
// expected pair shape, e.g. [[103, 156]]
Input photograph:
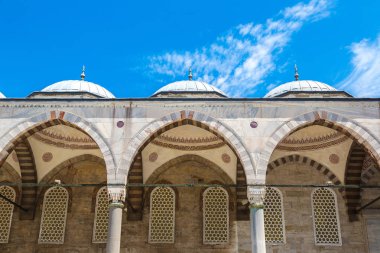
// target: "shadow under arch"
[[137, 195], [71, 162], [328, 119], [330, 176], [176, 119], [186, 158], [51, 176]]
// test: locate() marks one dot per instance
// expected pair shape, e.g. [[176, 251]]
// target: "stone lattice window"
[[53, 220], [101, 217], [274, 217], [325, 217], [162, 215], [6, 211], [215, 216]]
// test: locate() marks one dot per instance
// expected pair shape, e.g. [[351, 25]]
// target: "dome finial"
[[190, 74], [296, 75], [83, 75]]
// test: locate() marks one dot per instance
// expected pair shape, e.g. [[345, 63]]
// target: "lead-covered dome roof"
[[73, 89], [188, 87], [79, 86], [301, 86]]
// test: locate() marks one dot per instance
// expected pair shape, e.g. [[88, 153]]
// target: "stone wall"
[[298, 214], [80, 217], [189, 216]]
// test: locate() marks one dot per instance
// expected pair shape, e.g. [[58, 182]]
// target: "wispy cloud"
[[241, 59], [364, 80]]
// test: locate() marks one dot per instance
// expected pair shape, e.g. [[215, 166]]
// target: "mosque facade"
[[189, 169]]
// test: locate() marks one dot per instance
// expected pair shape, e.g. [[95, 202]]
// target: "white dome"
[[2, 95], [189, 86], [79, 86], [299, 85]]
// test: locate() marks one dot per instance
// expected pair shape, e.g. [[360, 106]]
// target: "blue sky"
[[244, 47]]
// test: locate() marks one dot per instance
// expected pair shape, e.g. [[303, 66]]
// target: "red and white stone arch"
[[159, 126], [336, 121]]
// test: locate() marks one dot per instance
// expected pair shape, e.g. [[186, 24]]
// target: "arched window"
[[53, 220], [215, 216], [274, 217], [6, 211], [162, 215], [101, 217], [325, 217]]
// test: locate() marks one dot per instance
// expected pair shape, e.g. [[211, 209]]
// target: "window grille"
[[274, 216], [215, 216], [54, 212], [101, 217], [162, 215], [6, 212], [325, 217]]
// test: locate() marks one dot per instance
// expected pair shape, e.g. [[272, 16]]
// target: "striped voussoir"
[[27, 165], [135, 194], [241, 194], [47, 119], [330, 176], [354, 168], [157, 127], [324, 118], [28, 175]]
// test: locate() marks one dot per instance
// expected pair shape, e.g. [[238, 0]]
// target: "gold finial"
[[83, 75], [190, 74], [296, 75]]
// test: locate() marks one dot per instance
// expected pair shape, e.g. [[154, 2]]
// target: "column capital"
[[256, 196], [116, 195]]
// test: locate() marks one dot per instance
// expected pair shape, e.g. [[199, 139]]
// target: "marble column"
[[256, 197], [116, 207]]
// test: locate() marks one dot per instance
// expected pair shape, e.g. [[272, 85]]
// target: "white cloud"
[[364, 80], [240, 60]]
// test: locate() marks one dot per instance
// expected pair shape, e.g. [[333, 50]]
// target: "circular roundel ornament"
[[47, 156], [153, 157], [334, 158], [226, 158], [120, 124], [253, 124]]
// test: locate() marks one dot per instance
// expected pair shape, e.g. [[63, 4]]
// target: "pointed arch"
[[330, 176], [176, 119], [16, 139], [325, 118], [185, 158], [71, 161], [44, 120]]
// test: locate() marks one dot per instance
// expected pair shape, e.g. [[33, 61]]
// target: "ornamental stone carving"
[[116, 195], [256, 196]]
